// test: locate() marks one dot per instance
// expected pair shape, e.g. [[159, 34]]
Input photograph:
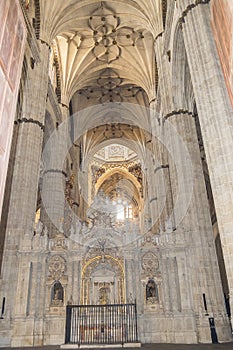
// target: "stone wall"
[[222, 24], [12, 41]]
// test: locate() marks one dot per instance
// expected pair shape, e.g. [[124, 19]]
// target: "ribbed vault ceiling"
[[104, 52], [89, 37]]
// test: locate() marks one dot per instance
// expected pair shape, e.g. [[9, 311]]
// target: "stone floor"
[[225, 346]]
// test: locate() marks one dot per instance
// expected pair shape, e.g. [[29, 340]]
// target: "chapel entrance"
[[101, 324]]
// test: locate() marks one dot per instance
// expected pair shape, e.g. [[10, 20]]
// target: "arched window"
[[124, 212]]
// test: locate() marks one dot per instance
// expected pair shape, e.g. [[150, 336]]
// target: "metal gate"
[[101, 324]]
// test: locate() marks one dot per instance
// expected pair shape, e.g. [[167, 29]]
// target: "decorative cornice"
[[55, 171], [37, 18], [189, 8], [179, 112], [30, 120], [58, 74]]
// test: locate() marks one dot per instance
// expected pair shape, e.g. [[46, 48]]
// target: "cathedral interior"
[[116, 196]]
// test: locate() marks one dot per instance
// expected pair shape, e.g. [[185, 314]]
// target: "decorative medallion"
[[57, 266], [150, 264]]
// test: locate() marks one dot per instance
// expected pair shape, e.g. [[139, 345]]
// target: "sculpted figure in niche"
[[57, 294], [151, 292], [103, 296]]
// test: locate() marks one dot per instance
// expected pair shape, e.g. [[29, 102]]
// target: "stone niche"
[[103, 281], [56, 283]]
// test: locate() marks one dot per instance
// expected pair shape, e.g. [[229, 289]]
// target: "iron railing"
[[101, 324]]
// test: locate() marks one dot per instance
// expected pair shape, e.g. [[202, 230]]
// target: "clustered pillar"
[[215, 115], [24, 186]]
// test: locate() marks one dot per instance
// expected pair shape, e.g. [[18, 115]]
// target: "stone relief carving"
[[136, 170], [151, 278], [59, 243], [149, 239], [104, 292], [68, 205], [97, 173], [40, 238], [150, 264], [103, 249], [57, 267]]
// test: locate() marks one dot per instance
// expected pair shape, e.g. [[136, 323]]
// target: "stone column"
[[155, 179], [160, 195], [192, 216], [54, 178], [191, 211], [215, 115], [12, 45], [23, 198], [165, 168]]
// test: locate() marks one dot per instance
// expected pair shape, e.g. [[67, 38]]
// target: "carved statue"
[[57, 294], [103, 296], [151, 292], [41, 229]]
